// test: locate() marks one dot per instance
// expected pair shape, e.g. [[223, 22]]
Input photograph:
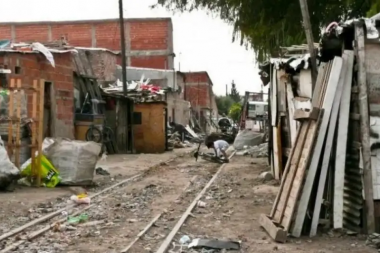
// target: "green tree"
[[266, 25], [224, 103], [235, 111], [234, 93]]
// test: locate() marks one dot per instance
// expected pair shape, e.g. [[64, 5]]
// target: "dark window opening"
[[137, 118], [17, 70]]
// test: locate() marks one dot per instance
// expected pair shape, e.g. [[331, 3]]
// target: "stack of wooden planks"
[[308, 171]]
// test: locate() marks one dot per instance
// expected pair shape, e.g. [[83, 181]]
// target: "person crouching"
[[220, 147]]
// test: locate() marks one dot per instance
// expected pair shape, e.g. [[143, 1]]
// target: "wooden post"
[[34, 137], [18, 124], [310, 39], [41, 91], [10, 115], [364, 127]]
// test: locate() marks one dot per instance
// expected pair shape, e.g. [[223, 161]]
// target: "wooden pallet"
[[14, 144]]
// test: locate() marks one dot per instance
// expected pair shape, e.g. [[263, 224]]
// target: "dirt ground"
[[232, 208], [234, 204]]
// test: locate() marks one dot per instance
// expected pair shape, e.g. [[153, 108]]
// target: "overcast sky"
[[201, 42]]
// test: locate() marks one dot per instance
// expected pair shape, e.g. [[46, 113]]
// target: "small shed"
[[150, 127]]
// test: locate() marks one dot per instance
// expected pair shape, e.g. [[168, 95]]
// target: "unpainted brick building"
[[198, 90], [59, 98], [149, 41]]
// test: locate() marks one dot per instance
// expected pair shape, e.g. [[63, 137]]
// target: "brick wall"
[[198, 89], [149, 41], [198, 95], [36, 67]]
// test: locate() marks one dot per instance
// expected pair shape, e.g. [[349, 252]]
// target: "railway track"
[[12, 239], [18, 238], [156, 236]]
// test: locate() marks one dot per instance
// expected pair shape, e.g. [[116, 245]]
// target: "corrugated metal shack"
[[324, 137]]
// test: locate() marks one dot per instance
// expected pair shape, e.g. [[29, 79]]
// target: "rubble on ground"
[[248, 138], [175, 141], [373, 240], [258, 151]]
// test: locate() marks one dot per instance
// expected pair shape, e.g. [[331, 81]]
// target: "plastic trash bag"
[[49, 174]]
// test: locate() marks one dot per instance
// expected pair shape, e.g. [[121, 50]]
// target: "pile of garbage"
[[175, 141], [143, 86], [8, 171], [248, 138], [257, 151], [63, 161], [205, 245]]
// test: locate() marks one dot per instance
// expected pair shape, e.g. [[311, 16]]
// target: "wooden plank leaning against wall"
[[364, 127]]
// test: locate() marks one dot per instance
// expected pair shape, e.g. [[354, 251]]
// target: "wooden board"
[[341, 149], [274, 99], [280, 203], [34, 132], [291, 108], [306, 86], [277, 155], [18, 124], [10, 115], [281, 90], [277, 233], [300, 174], [327, 106], [364, 128], [328, 146], [40, 136]]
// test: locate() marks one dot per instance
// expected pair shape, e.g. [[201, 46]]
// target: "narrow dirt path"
[[233, 206], [114, 221]]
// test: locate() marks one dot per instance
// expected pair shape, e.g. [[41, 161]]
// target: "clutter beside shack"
[[61, 104], [323, 136], [32, 109]]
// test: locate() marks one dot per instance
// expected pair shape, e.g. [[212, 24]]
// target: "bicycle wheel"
[[94, 134], [107, 134]]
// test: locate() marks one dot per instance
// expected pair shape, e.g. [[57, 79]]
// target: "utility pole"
[[123, 51], [310, 39]]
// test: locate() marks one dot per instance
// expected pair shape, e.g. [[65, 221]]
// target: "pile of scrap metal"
[[180, 136], [332, 131], [140, 90]]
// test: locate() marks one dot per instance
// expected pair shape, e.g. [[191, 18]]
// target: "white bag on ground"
[[8, 171], [75, 160], [247, 138]]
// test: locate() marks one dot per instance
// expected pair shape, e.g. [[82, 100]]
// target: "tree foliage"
[[234, 94], [235, 111], [224, 104], [266, 25]]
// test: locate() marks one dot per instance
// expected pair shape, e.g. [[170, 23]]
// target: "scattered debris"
[[373, 240], [266, 176], [8, 171], [80, 199], [101, 171], [184, 240], [77, 219], [201, 204], [247, 138], [214, 244]]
